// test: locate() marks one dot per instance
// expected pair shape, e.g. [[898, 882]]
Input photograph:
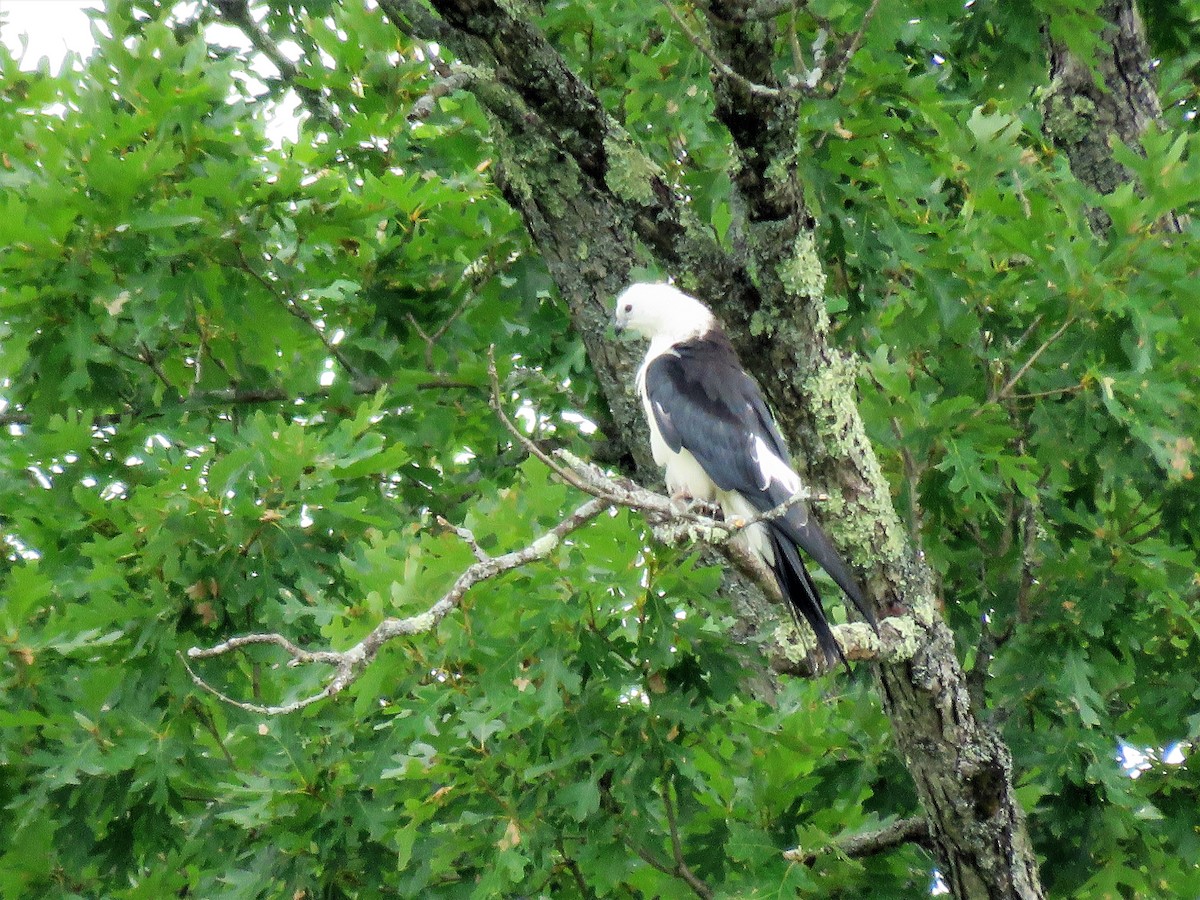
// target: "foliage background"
[[225, 414]]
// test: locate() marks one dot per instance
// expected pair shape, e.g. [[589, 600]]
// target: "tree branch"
[[840, 63], [349, 664], [682, 870], [896, 641], [457, 78], [237, 14], [145, 357], [1006, 391], [855, 846], [719, 64]]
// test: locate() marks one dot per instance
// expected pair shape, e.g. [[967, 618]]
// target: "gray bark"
[[1093, 103], [596, 207]]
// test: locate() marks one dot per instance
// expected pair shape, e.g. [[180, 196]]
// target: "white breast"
[[683, 473]]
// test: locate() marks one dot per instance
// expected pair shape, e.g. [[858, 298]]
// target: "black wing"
[[703, 401]]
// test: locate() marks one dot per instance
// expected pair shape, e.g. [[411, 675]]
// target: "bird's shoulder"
[[704, 369]]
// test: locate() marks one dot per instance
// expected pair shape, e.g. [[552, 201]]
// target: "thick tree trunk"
[[596, 207], [1092, 104]]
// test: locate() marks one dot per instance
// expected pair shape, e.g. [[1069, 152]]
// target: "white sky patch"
[[1133, 760], [585, 425], [53, 29], [939, 887], [20, 549], [114, 490], [1173, 754], [1136, 760], [329, 376]]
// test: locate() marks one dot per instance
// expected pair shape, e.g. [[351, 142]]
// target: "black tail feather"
[[801, 595], [801, 529]]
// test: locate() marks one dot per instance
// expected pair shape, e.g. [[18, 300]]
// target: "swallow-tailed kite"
[[711, 431]]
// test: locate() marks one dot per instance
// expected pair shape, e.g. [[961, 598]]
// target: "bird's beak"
[[618, 326]]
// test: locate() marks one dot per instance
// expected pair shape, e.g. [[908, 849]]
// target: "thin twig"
[[719, 64], [524, 440], [573, 868], [1054, 392], [211, 727], [682, 870], [1029, 557], [432, 339], [145, 357], [840, 64], [1029, 330], [1011, 383], [297, 311]]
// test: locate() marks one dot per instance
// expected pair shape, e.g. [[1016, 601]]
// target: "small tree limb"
[[349, 664], [237, 14], [855, 846]]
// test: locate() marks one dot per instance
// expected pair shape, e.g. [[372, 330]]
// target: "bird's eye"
[[628, 307]]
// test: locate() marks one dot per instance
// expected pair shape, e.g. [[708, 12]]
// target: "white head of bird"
[[661, 312]]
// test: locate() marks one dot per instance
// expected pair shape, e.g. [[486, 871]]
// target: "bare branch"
[[855, 846], [467, 536], [349, 664], [457, 78], [673, 521]]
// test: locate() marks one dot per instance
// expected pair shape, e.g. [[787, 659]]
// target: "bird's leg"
[[709, 508], [681, 499]]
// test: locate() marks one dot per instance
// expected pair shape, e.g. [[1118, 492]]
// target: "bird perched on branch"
[[712, 432]]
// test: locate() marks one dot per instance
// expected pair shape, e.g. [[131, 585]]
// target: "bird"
[[711, 431]]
